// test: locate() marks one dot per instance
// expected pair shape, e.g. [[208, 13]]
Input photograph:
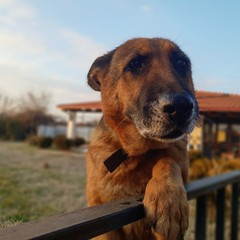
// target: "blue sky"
[[49, 45]]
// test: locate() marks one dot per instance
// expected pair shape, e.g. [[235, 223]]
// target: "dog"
[[140, 145]]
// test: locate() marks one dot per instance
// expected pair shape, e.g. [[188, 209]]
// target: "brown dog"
[[149, 108]]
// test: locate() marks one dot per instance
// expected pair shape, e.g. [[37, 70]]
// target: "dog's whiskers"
[[199, 121]]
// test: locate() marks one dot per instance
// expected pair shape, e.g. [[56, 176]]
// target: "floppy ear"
[[98, 70]]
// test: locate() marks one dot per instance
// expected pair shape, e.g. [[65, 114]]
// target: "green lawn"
[[37, 183]]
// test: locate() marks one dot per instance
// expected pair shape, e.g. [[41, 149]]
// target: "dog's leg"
[[165, 201]]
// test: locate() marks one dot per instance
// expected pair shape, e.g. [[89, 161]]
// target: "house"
[[220, 131]]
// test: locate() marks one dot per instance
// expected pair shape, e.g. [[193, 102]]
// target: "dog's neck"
[[129, 138], [126, 141]]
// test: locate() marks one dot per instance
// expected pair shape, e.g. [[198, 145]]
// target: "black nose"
[[179, 109]]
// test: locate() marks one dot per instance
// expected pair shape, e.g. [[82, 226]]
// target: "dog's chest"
[[129, 179]]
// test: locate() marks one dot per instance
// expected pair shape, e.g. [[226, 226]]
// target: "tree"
[[22, 117], [6, 104], [33, 111]]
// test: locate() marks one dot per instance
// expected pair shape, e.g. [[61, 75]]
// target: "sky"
[[49, 45]]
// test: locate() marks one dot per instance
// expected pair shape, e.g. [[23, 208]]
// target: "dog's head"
[[147, 83]]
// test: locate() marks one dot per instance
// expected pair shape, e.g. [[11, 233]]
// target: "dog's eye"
[[136, 64], [180, 63], [181, 66]]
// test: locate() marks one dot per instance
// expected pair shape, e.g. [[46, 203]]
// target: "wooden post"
[[204, 138], [71, 131], [207, 138], [210, 140], [215, 144], [229, 138]]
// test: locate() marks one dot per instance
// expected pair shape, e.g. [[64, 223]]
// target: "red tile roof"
[[84, 106], [208, 102], [218, 102]]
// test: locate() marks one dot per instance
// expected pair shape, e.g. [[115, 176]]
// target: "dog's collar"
[[115, 160]]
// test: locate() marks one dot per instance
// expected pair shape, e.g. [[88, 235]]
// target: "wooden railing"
[[94, 221]]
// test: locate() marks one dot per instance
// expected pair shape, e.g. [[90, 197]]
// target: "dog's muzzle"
[[169, 117]]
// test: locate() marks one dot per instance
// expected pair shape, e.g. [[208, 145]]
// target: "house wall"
[[53, 131], [196, 139]]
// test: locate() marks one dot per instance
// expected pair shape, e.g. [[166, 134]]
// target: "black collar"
[[115, 160]]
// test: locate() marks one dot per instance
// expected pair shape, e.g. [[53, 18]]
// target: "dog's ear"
[[98, 70]]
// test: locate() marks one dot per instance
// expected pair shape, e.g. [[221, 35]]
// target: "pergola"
[[216, 109]]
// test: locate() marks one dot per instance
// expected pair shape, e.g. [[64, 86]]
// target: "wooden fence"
[[94, 221]]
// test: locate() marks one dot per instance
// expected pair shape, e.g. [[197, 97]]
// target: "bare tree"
[[35, 102], [19, 118], [32, 110], [6, 104]]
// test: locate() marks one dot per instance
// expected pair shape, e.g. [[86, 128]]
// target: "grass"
[[38, 183]]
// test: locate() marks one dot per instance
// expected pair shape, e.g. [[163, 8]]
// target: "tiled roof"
[[208, 102], [84, 106], [218, 102]]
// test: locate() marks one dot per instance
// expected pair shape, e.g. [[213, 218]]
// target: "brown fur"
[[155, 168]]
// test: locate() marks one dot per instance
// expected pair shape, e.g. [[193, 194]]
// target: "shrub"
[[232, 164], [2, 128], [78, 141], [17, 131], [11, 129], [194, 155], [203, 167], [41, 142], [200, 168], [33, 140], [45, 142], [62, 143]]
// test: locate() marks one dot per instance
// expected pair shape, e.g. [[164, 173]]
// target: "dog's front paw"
[[166, 208]]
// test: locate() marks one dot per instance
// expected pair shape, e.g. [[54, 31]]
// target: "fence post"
[[200, 233], [234, 210], [220, 215]]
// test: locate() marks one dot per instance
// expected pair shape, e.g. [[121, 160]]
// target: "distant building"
[[220, 131], [83, 131]]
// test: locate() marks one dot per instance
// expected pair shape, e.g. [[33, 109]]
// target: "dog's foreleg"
[[165, 201]]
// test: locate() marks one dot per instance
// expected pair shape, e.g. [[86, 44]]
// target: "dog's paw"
[[166, 208]]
